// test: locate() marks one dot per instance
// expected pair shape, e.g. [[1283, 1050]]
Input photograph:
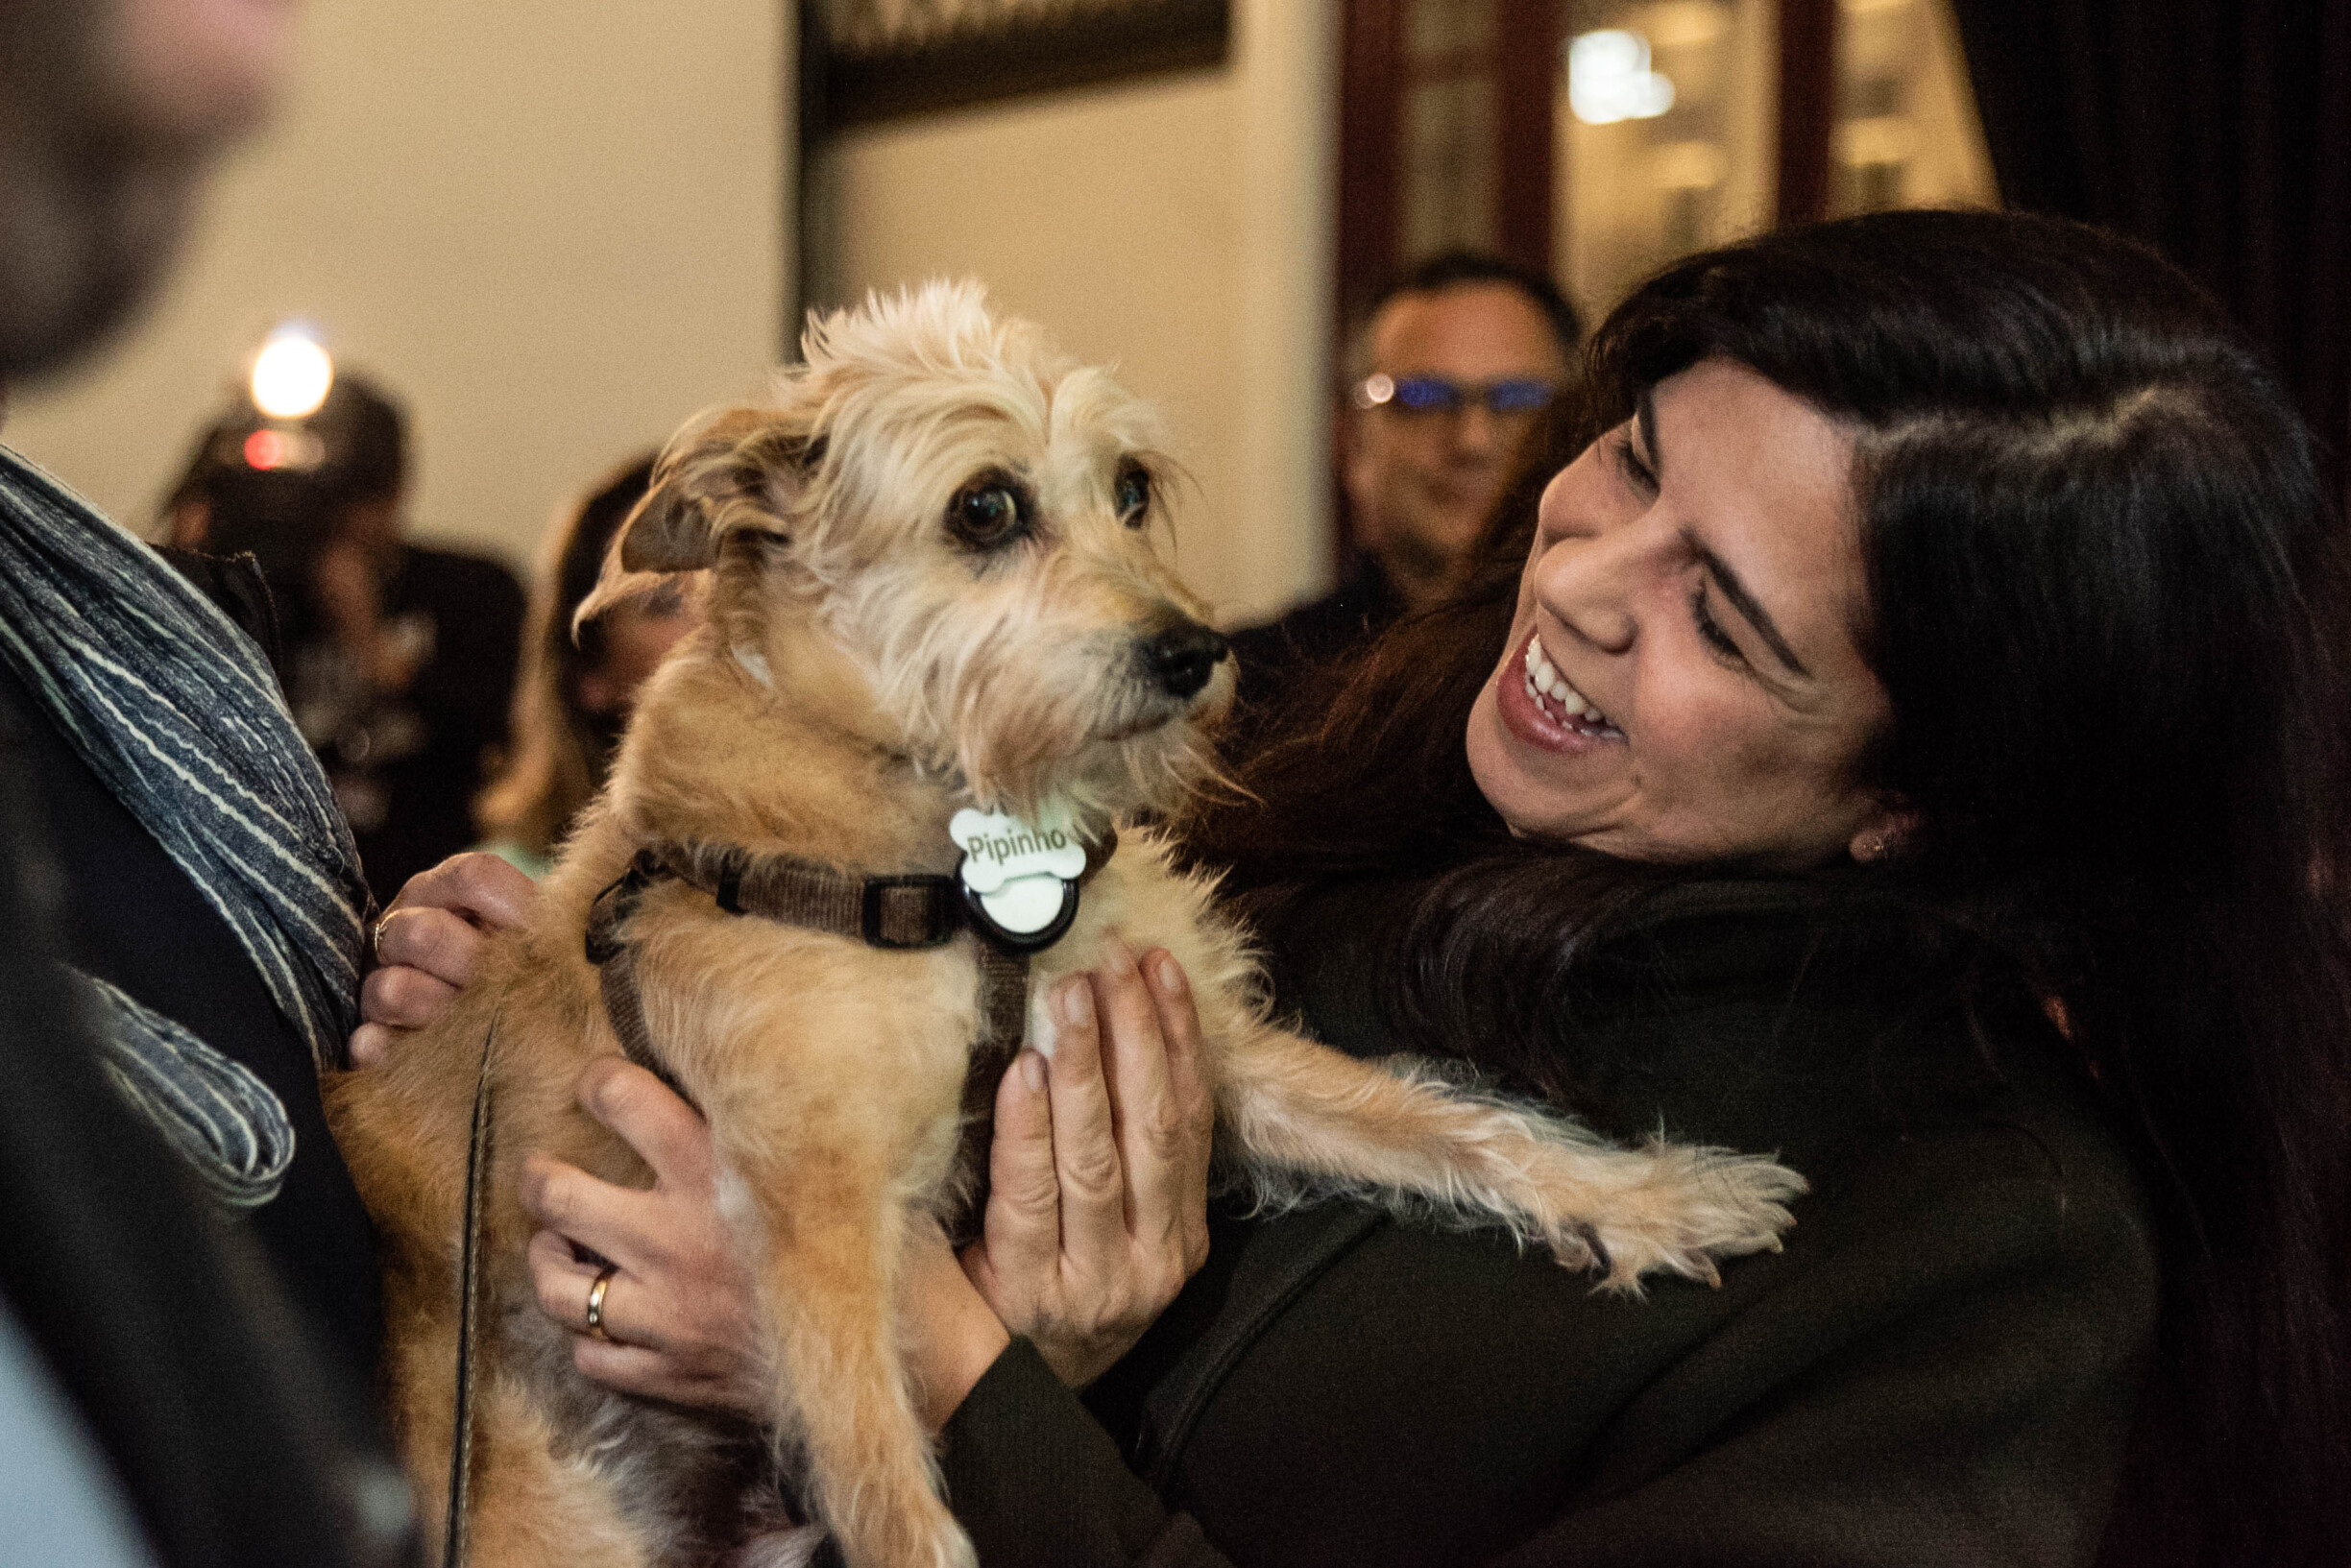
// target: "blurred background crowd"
[[487, 256]]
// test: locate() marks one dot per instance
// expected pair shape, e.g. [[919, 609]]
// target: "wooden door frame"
[[1528, 38]]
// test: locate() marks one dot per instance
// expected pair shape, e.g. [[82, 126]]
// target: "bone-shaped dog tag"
[[1020, 878]]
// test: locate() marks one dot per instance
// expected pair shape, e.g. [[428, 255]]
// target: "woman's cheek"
[[1691, 742]]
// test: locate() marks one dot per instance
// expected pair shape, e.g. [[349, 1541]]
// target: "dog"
[[940, 636]]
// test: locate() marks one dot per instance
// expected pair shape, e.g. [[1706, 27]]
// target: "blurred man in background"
[[1446, 378], [188, 1292], [398, 659]]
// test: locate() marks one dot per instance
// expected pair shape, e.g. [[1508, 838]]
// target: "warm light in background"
[[291, 375], [1609, 79], [264, 450]]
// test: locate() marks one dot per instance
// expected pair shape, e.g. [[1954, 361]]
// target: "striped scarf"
[[178, 714]]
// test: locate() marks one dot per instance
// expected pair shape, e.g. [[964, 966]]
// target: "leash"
[[469, 1299]]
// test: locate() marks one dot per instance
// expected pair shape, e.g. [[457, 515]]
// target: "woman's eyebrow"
[[1745, 603]]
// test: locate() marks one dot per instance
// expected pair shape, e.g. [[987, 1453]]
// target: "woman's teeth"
[[1561, 702]]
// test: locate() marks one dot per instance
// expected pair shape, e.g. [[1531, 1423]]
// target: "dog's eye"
[[1133, 494], [988, 512]]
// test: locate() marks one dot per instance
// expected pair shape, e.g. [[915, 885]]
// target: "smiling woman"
[[1650, 702], [1941, 635]]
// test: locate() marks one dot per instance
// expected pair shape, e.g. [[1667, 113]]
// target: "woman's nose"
[[1587, 583]]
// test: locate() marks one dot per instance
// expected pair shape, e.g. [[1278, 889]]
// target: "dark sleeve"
[[468, 684], [1035, 1479], [1958, 1392], [234, 583]]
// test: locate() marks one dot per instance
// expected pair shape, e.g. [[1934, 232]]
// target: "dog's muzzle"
[[1182, 659]]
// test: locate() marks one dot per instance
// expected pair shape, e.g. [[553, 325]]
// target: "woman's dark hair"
[[561, 750], [2109, 606]]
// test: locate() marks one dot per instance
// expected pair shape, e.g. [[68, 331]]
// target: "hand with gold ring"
[[671, 1309], [595, 1304], [427, 943]]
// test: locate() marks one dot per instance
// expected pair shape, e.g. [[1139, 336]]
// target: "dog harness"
[[901, 913]]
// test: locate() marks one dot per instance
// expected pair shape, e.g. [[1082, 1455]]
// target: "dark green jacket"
[[1940, 1368]]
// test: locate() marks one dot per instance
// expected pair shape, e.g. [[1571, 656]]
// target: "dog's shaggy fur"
[[876, 658]]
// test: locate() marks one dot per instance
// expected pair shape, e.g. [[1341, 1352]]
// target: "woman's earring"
[[1875, 844]]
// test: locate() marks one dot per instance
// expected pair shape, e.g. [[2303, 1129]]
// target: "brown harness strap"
[[897, 912], [624, 1007], [1003, 1025]]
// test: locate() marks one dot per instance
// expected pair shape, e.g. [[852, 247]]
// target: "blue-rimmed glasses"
[[1513, 397]]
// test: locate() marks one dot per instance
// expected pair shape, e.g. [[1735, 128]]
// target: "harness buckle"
[[939, 910]]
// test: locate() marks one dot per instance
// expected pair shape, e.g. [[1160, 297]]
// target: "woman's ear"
[[739, 472], [1885, 835]]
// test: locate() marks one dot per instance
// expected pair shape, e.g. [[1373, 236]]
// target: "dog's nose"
[[1180, 660]]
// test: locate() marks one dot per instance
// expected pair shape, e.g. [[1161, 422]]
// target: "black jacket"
[[234, 1441], [1940, 1368]]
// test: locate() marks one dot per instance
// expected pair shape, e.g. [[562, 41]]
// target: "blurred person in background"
[[1446, 377], [399, 660], [188, 1304], [575, 691]]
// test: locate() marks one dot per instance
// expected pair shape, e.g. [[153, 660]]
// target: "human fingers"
[[1020, 1245], [653, 1374], [427, 944], [690, 1334], [650, 1345], [484, 887], [1143, 1112], [627, 1225], [1194, 1102], [441, 943], [371, 1045], [565, 1283], [1086, 1166], [403, 998], [665, 1132]]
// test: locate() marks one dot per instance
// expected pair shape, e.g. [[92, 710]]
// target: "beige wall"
[[1179, 228], [555, 226]]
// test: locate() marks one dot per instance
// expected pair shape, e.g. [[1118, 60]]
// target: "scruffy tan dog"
[[934, 594]]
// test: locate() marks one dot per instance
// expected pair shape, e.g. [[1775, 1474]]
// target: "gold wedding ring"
[[595, 1302], [376, 939]]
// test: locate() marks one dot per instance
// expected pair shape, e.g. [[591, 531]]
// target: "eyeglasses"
[[1426, 395]]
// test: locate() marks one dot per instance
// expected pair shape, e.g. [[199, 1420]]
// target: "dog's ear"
[[737, 473]]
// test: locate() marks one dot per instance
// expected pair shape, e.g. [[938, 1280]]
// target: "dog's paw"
[[921, 1536], [1689, 1207]]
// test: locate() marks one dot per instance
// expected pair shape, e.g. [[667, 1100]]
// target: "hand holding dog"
[[427, 942], [679, 1318], [1097, 1211], [1098, 1178], [1096, 1218]]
